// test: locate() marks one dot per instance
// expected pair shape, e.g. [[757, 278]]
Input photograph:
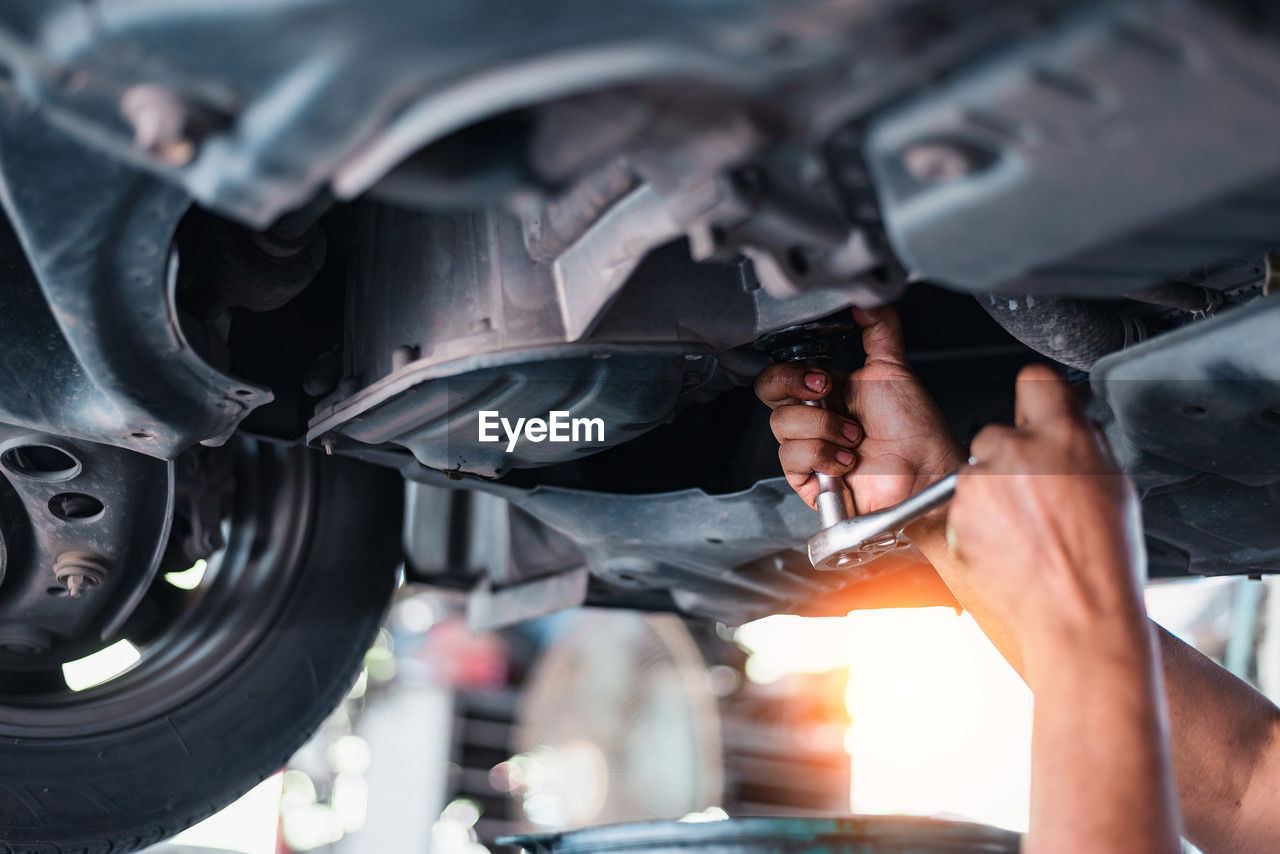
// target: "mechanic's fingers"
[[1104, 445], [787, 383], [812, 422], [990, 443], [968, 496], [882, 334], [804, 456], [806, 486], [1042, 396]]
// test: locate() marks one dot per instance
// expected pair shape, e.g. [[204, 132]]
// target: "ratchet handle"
[[864, 538], [935, 495], [833, 498]]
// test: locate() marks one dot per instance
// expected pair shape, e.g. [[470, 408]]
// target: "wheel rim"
[[197, 636]]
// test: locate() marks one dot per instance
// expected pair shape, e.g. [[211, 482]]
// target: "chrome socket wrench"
[[849, 543]]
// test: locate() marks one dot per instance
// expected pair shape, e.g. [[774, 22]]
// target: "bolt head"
[[160, 121], [938, 162], [19, 639], [79, 571]]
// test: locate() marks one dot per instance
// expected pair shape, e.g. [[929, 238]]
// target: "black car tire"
[[124, 790]]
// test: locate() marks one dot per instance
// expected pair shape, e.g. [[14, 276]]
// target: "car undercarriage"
[[253, 252]]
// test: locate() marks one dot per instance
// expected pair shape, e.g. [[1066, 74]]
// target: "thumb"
[[882, 335], [1042, 395]]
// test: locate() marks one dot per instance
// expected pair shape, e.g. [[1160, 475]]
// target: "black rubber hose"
[[1075, 332]]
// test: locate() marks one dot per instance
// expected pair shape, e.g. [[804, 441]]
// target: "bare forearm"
[[1226, 753], [1224, 736], [1101, 776]]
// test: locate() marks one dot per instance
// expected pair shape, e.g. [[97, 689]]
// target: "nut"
[[162, 123], [19, 639], [79, 571], [937, 162]]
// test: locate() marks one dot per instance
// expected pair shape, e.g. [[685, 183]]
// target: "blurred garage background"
[[449, 739]]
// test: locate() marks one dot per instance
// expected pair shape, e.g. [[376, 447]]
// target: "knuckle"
[[988, 434], [802, 455], [787, 454], [816, 455], [764, 381], [833, 426], [1022, 451], [788, 458], [792, 421], [775, 383], [990, 440], [778, 420]]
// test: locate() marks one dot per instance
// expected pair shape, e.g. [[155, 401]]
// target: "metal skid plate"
[[1195, 417], [1206, 396], [473, 323], [732, 557], [436, 411], [1134, 142]]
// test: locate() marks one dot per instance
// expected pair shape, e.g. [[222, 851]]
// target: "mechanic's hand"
[[885, 437], [1046, 533]]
